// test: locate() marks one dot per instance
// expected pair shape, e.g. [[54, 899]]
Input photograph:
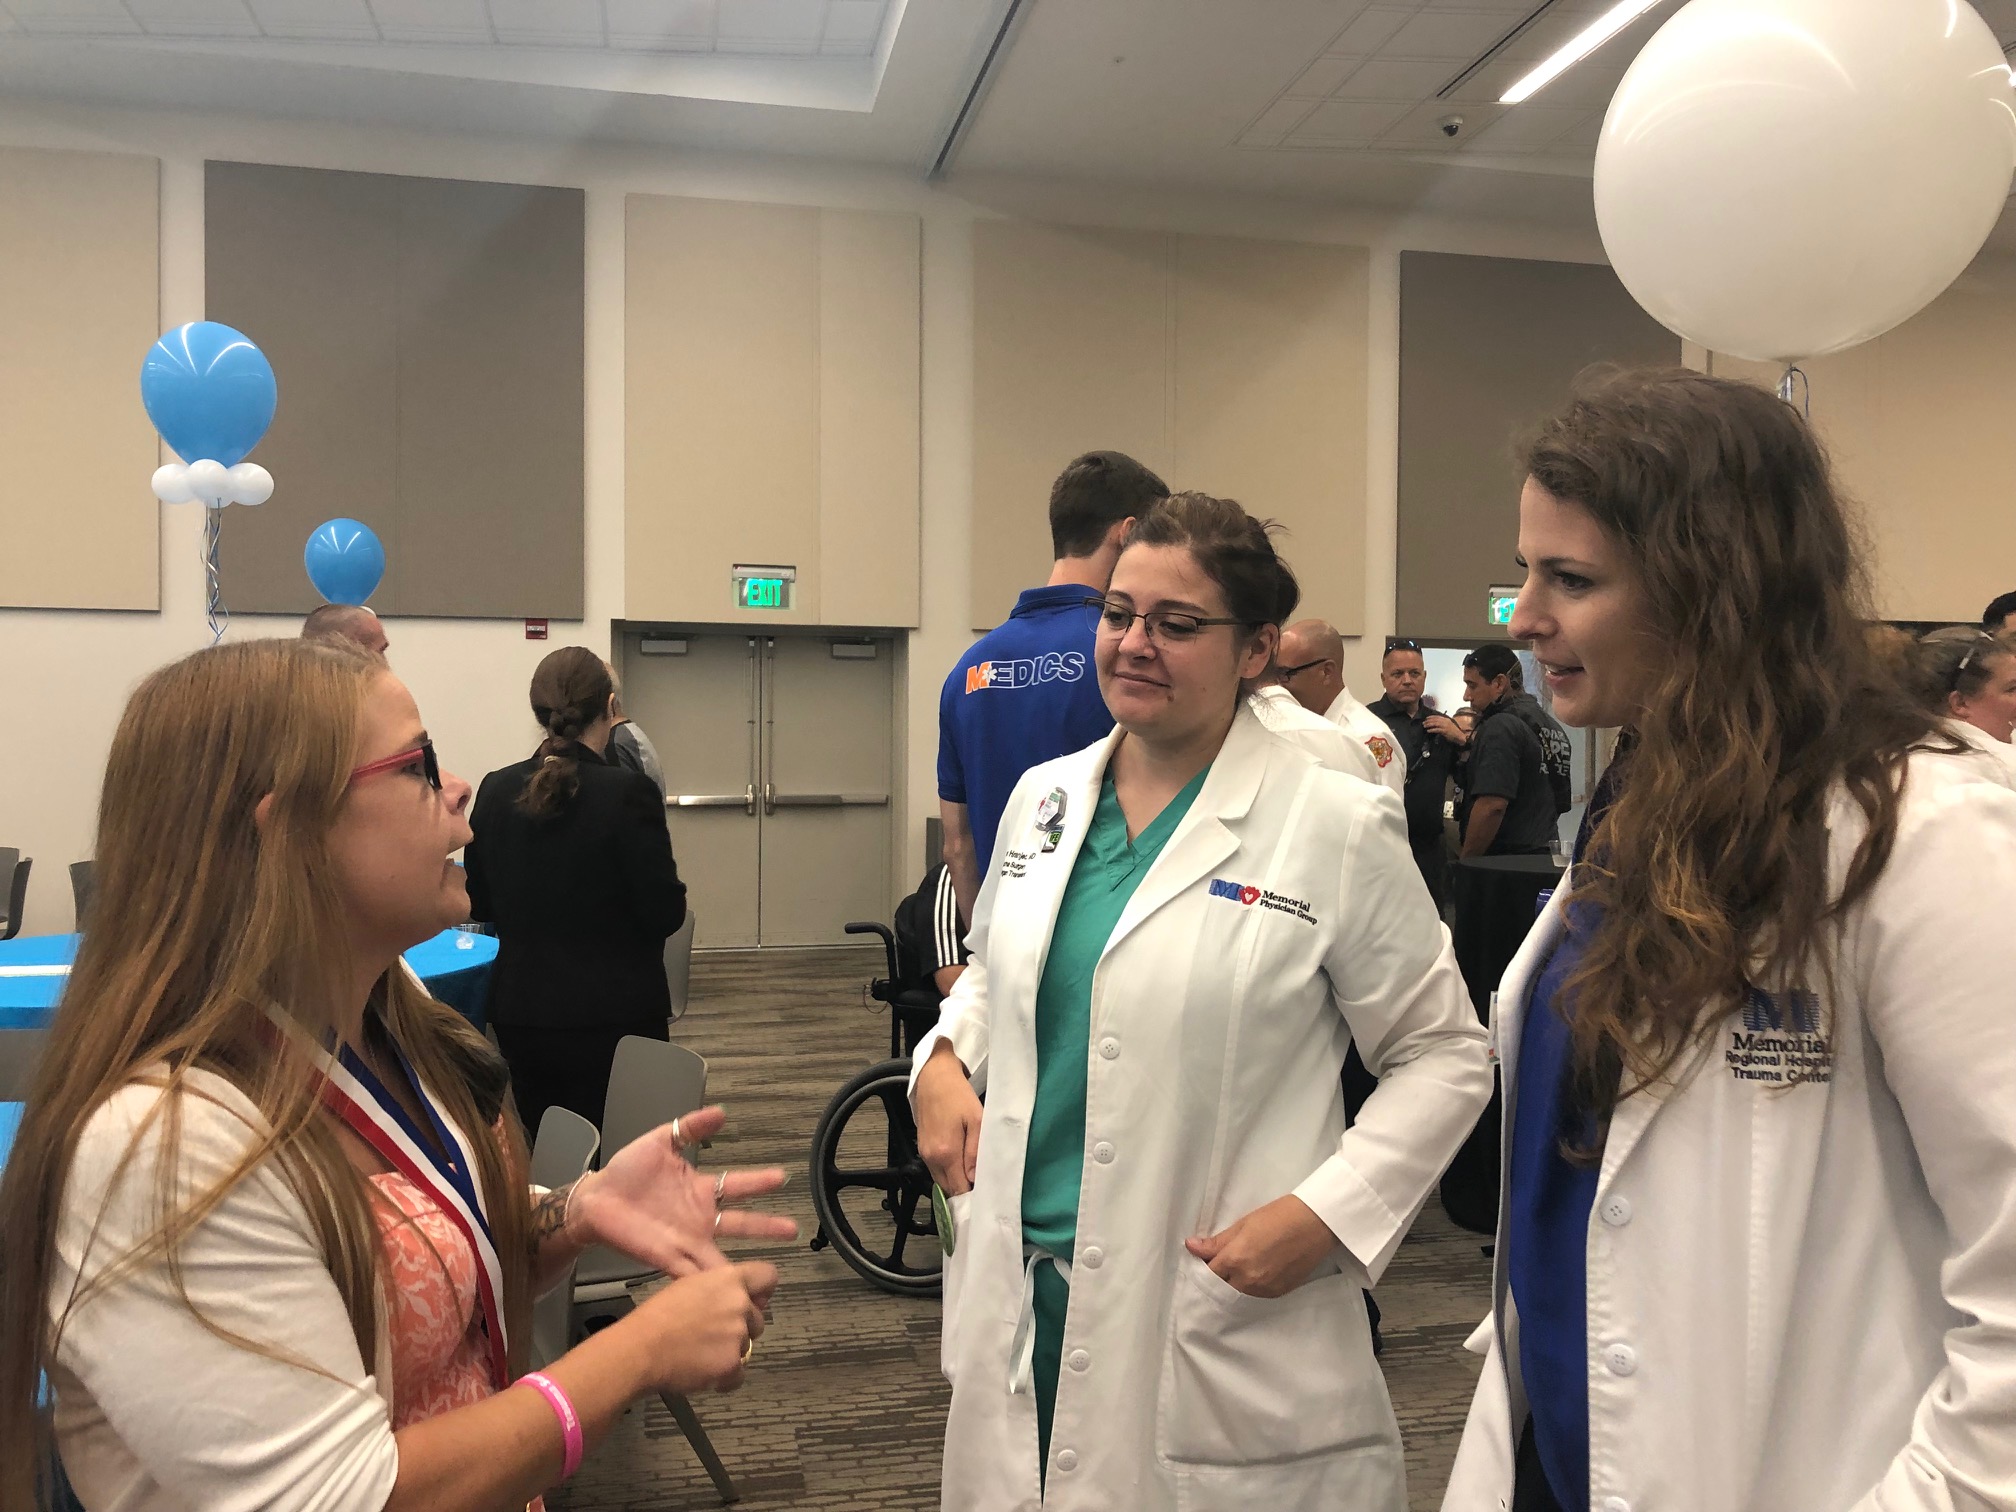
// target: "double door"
[[778, 752]]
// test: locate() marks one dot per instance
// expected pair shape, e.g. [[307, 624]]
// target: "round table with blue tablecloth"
[[455, 965]]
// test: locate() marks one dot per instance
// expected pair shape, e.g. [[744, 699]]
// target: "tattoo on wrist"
[[549, 1215]]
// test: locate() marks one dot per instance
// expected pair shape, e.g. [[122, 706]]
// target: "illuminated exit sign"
[[763, 587], [1498, 608]]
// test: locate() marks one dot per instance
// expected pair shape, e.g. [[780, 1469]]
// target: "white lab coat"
[[1981, 740], [1219, 1025], [1803, 1299], [1363, 727], [1279, 710]]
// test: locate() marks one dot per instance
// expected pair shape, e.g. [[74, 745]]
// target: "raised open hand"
[[649, 1203]]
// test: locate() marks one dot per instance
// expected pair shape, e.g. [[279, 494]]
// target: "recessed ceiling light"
[[1579, 47]]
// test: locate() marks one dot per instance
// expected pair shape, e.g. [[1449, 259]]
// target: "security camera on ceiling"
[[1450, 124]]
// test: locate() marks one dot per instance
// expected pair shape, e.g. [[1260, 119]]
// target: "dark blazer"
[[583, 898]]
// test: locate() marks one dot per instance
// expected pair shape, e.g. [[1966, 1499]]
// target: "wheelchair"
[[870, 1187]]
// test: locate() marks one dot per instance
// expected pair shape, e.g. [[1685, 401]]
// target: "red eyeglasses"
[[423, 753]]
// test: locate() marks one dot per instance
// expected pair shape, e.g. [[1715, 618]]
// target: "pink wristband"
[[563, 1409]]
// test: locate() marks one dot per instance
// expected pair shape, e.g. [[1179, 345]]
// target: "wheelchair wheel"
[[870, 1187]]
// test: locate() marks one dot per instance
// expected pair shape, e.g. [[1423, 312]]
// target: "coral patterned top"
[[440, 1360]]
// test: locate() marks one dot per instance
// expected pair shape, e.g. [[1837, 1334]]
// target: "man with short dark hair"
[[1512, 810], [346, 622], [1027, 692], [2000, 615], [1429, 759]]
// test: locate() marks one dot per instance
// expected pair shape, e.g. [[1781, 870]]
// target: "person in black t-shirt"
[[1512, 810]]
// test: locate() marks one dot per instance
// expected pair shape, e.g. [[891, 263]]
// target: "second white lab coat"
[[1365, 728], [1283, 918], [1279, 710], [1802, 1297]]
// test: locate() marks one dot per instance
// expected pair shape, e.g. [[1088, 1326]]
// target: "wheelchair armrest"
[[888, 941]]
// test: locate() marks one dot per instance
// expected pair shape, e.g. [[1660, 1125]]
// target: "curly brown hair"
[[1709, 873]]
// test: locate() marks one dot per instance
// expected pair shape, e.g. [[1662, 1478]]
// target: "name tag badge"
[[1050, 819]]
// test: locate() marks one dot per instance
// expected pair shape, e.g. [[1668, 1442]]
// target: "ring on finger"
[[720, 1187], [677, 1142], [717, 1221], [748, 1348]]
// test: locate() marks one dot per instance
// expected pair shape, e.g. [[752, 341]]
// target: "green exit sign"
[[1498, 608], [763, 587]]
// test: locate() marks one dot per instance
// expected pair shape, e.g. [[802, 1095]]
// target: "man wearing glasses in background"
[[1430, 759], [1310, 664]]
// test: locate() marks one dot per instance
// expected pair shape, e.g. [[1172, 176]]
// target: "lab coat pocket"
[[1259, 1380], [953, 1275]]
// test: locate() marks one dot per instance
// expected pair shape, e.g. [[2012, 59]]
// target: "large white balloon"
[[251, 483], [1786, 178]]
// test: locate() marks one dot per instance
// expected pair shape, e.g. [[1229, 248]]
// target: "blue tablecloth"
[[10, 1120], [455, 965]]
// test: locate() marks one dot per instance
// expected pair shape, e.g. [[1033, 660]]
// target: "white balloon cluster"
[[213, 483]]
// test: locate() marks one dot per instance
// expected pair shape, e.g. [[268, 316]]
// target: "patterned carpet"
[[844, 1410]]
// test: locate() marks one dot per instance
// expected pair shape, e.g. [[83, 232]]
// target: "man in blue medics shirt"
[[1027, 692]]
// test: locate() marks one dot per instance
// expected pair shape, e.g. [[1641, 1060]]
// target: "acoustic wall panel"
[[1915, 424], [1270, 396], [772, 407], [427, 335], [80, 261], [1489, 347], [1070, 354], [1230, 366]]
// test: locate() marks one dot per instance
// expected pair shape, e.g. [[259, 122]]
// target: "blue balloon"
[[345, 561], [209, 391]]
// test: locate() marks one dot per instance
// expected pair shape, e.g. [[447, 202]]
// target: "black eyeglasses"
[[1169, 626], [1284, 673]]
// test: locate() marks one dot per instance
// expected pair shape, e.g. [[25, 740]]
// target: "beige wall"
[[80, 271], [1921, 425], [1232, 366], [772, 399], [470, 675]]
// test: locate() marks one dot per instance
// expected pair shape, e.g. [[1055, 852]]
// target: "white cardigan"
[[157, 1413]]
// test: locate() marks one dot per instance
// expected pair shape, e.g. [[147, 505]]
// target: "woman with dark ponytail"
[[1159, 1227], [573, 865]]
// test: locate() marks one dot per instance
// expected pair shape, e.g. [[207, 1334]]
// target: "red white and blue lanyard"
[[445, 1170]]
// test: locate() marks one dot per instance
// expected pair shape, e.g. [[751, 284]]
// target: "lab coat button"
[[1617, 1211], [1067, 1460], [1103, 1153], [1614, 1504], [1621, 1358], [1110, 1048], [1080, 1361], [1092, 1257]]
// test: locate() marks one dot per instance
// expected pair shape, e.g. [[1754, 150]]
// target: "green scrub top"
[[1103, 878]]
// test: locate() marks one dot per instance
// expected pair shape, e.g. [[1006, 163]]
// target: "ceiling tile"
[[1370, 32], [432, 20], [73, 18], [551, 23], [194, 18], [1526, 126], [1321, 78], [315, 20], [854, 21], [1407, 79], [1582, 138], [864, 48], [800, 47], [1280, 118], [779, 20], [1457, 36], [1420, 129], [1350, 121], [672, 24]]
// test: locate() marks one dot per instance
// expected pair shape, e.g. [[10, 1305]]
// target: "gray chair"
[[564, 1149], [650, 1083], [679, 966], [14, 886], [80, 892]]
